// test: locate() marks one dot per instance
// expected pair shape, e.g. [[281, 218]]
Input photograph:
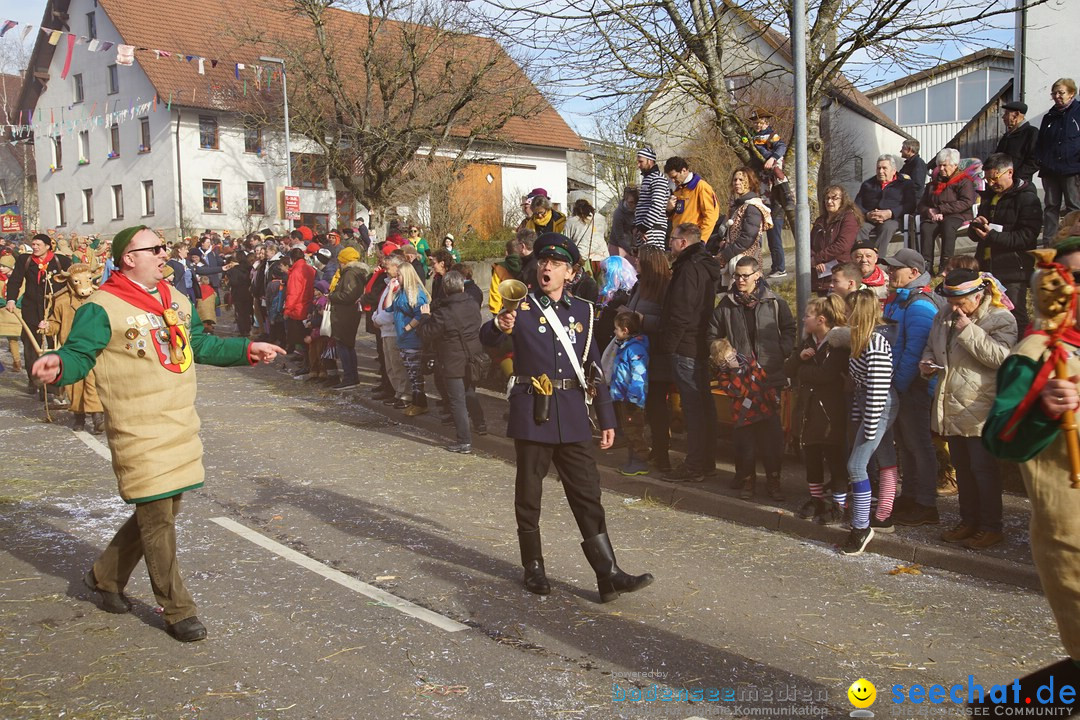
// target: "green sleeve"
[[1036, 431], [90, 333], [214, 350]]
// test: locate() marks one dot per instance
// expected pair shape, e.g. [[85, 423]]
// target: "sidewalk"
[[1010, 562]]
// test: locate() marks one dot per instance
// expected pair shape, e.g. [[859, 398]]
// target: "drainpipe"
[[179, 183]]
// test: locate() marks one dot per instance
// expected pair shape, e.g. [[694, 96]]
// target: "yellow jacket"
[[695, 202]]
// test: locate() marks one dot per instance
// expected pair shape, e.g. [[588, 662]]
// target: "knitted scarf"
[[876, 278]]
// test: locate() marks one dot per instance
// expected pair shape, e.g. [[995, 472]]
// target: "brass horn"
[[512, 293]]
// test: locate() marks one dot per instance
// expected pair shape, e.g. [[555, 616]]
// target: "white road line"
[[381, 596], [94, 444]]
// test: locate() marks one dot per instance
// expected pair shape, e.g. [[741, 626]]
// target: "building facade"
[[154, 143]]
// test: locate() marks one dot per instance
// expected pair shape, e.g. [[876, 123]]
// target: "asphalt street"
[[320, 517]]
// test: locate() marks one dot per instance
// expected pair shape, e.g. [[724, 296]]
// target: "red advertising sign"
[[292, 203]]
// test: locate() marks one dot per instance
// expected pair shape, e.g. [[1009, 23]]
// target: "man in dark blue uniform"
[[557, 368]]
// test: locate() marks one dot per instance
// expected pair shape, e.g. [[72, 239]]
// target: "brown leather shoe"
[[187, 630], [958, 534], [983, 539], [112, 602], [747, 491]]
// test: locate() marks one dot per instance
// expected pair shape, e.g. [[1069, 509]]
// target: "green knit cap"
[[121, 240], [1069, 245]]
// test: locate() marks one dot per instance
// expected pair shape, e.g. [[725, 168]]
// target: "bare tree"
[[390, 90], [694, 53]]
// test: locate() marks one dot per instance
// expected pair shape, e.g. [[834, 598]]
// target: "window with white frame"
[[211, 191], [88, 205], [114, 80], [114, 140], [84, 147], [61, 210], [76, 80], [144, 135], [58, 153], [148, 197], [118, 202]]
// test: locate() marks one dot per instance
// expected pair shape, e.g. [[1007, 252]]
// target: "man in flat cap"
[[141, 337], [557, 376], [1019, 139]]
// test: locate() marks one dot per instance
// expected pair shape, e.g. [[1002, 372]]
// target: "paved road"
[[371, 503]]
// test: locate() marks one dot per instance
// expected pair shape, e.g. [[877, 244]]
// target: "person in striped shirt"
[[650, 214], [873, 410]]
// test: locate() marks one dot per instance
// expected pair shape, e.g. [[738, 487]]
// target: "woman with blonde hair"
[[405, 296], [873, 411]]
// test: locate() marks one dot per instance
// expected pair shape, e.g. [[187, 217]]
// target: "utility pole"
[[802, 156]]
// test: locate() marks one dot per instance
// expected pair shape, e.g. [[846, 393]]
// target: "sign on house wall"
[[10, 219], [291, 203]]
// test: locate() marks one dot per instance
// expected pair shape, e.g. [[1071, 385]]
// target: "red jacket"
[[300, 291]]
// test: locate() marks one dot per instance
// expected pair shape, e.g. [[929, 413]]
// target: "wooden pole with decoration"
[[1056, 296]]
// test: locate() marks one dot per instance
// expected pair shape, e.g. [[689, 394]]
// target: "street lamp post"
[[285, 96]]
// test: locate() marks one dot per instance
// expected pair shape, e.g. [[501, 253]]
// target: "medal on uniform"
[[172, 319]]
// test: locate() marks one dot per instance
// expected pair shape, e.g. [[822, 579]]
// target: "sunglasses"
[[153, 249]]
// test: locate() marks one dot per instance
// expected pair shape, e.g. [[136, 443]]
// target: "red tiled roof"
[[240, 31], [225, 31]]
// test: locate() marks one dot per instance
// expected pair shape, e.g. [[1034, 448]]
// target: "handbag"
[[477, 365], [324, 326]]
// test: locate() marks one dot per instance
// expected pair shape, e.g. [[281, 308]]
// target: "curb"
[[687, 498]]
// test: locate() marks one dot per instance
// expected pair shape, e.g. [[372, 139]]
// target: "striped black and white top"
[[651, 210], [872, 372]]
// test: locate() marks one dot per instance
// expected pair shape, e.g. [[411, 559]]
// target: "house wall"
[[854, 146], [933, 136], [1049, 53], [101, 173], [235, 168]]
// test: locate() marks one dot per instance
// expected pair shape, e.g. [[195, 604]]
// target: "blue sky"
[[580, 113]]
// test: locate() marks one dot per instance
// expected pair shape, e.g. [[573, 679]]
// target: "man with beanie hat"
[[650, 215], [34, 273], [142, 339], [557, 377]]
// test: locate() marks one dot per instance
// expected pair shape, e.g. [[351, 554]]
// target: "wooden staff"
[[30, 335], [1068, 426]]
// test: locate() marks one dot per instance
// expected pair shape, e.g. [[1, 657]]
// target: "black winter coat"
[[1019, 212], [371, 299], [822, 408], [1020, 146], [25, 276], [450, 329], [774, 331], [345, 314], [1058, 148], [898, 196], [688, 305]]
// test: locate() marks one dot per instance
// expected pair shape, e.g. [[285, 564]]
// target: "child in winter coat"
[[752, 401], [819, 370], [629, 381], [275, 304]]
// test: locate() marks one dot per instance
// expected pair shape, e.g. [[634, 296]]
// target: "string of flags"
[[74, 118]]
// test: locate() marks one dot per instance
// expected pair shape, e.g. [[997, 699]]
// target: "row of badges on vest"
[[145, 326]]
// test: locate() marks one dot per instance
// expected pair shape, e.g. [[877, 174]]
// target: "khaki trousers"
[[395, 366], [149, 533]]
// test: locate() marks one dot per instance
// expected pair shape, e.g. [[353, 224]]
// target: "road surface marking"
[[94, 444], [341, 578]]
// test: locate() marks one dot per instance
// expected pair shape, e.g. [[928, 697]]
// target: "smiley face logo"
[[862, 693]]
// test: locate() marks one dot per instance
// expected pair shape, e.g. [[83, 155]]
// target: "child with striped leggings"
[[873, 412]]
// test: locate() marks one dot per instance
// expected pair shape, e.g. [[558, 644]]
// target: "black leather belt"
[[566, 384]]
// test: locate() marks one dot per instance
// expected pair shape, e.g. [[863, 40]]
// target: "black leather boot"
[[99, 423], [78, 421], [609, 578], [532, 559]]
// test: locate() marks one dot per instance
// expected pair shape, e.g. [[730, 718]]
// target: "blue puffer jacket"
[[630, 378], [913, 315], [403, 315], [1058, 146]]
